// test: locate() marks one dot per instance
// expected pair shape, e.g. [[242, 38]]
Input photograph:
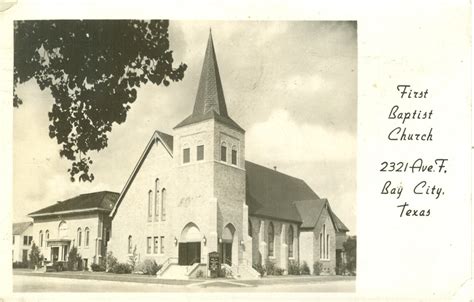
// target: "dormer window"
[[234, 155], [223, 152], [186, 155], [200, 152]]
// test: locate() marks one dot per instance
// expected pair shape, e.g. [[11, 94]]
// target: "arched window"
[[324, 244], [327, 246], [41, 238], [271, 240], [79, 237], [186, 154], [163, 204], [234, 155], [200, 151], [130, 250], [250, 231], [157, 198], [86, 235], [62, 229], [47, 237], [223, 152], [150, 205], [290, 241]]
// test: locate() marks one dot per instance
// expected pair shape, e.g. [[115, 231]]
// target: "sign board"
[[214, 264]]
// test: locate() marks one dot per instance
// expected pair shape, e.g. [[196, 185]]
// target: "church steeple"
[[210, 95], [210, 101]]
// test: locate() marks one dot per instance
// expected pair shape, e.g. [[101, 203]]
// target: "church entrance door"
[[189, 253]]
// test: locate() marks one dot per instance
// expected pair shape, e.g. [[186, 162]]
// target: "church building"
[[193, 192]]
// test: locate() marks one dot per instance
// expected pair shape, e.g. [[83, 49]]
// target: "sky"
[[291, 85]]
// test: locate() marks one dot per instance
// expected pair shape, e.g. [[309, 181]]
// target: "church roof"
[[20, 227], [210, 101], [104, 200], [271, 193]]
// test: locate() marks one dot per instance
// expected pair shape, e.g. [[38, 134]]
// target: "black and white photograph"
[[180, 156]]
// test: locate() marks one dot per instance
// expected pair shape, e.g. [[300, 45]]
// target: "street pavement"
[[42, 283]]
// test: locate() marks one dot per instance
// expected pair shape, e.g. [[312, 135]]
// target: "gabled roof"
[[340, 227], [166, 140], [271, 193], [310, 211], [210, 101], [20, 227], [104, 200]]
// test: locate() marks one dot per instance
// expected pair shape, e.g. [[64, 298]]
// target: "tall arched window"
[[163, 204], [250, 228], [86, 235], [47, 237], [41, 238], [130, 250], [223, 151], [234, 155], [290, 241], [150, 205], [271, 240], [324, 244], [79, 237], [62, 229], [157, 198]]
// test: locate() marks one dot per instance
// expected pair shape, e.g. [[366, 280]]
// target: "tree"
[[74, 259], [350, 247], [93, 69], [35, 256]]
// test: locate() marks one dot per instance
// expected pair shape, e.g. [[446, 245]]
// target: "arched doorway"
[[228, 245], [189, 251]]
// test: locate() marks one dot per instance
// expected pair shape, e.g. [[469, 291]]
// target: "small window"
[[25, 240], [234, 155], [86, 232], [155, 245], [162, 244], [41, 238], [186, 155], [223, 152], [30, 238], [130, 244], [47, 235], [200, 152], [79, 237], [13, 239], [148, 245]]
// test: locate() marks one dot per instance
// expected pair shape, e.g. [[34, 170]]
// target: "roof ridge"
[[276, 171]]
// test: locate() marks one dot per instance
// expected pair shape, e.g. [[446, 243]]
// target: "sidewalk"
[[269, 280]]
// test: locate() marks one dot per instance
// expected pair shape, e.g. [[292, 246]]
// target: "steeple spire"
[[210, 95], [210, 101]]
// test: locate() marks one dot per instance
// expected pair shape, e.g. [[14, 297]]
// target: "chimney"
[[275, 168]]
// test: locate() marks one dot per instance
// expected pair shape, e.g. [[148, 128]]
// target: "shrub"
[[317, 268], [19, 264], [200, 274], [74, 261], [260, 268], [97, 267], [121, 268], [148, 267], [279, 271], [110, 261], [270, 267], [293, 268], [350, 247], [133, 258], [304, 268]]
